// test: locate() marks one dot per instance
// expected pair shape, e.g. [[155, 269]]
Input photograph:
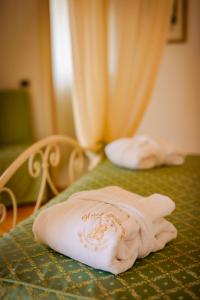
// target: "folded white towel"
[[108, 228], [141, 152]]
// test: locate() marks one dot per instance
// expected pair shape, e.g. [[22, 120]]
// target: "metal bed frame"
[[41, 157]]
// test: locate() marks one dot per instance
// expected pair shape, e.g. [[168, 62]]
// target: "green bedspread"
[[29, 270]]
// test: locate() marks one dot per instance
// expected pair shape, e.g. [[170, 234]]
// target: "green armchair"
[[15, 118], [16, 134]]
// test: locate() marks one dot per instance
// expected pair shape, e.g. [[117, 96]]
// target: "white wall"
[[174, 112], [24, 54]]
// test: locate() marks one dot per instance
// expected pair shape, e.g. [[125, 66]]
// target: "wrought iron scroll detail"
[[42, 157]]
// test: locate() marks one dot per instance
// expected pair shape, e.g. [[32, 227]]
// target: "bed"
[[29, 270]]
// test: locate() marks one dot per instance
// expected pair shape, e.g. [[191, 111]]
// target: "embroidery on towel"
[[96, 239]]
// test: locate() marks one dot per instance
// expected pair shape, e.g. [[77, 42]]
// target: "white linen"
[[108, 228], [142, 152]]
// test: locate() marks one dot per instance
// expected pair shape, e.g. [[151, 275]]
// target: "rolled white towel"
[[108, 228], [141, 152], [171, 155]]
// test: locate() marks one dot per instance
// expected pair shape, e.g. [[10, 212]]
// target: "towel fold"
[[141, 152], [108, 228]]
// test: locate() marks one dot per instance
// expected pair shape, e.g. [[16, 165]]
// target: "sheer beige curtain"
[[117, 47]]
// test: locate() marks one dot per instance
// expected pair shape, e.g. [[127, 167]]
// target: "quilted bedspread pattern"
[[29, 270]]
